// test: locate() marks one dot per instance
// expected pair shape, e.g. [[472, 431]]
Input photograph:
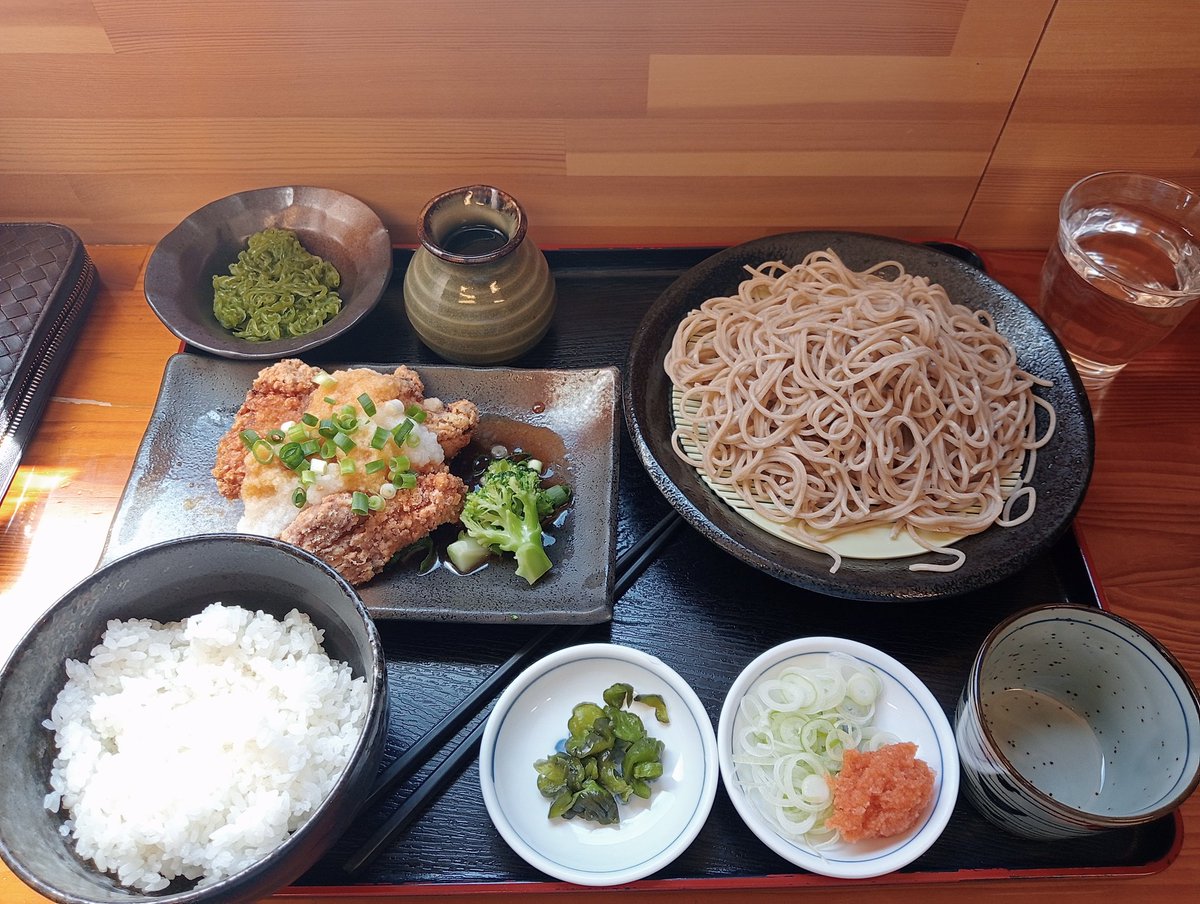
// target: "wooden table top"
[[1137, 522]]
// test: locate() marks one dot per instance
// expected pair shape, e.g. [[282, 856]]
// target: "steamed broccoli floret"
[[505, 513]]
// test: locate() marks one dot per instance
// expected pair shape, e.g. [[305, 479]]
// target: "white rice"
[[195, 748]]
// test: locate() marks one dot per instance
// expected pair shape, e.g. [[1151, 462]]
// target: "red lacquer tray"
[[706, 615]]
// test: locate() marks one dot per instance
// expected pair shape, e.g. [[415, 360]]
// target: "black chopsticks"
[[419, 753], [634, 560], [433, 786], [630, 565]]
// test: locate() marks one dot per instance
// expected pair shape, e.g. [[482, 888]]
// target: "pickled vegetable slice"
[[607, 758]]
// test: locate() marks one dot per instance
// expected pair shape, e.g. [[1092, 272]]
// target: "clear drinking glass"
[[1124, 271]]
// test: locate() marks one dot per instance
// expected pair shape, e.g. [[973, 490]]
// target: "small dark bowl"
[[333, 225], [167, 582]]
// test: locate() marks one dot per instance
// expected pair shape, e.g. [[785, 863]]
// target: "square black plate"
[[565, 417]]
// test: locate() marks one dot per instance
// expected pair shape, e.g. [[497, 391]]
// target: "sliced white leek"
[[795, 727]]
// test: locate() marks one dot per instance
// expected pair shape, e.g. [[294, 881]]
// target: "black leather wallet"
[[47, 281]]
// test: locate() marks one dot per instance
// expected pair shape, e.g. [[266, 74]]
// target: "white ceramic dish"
[[530, 718], [906, 709]]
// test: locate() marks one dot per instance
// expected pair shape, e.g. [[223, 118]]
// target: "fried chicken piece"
[[359, 547], [278, 394], [402, 384], [284, 391], [409, 385], [453, 424]]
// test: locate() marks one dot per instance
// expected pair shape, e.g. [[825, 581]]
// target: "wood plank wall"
[[614, 121]]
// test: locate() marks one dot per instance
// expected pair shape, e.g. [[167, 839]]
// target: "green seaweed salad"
[[276, 289]]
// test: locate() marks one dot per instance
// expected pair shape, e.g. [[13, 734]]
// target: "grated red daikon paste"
[[880, 793]]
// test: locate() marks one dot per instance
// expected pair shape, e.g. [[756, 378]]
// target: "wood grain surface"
[[616, 122], [1138, 522], [1113, 86]]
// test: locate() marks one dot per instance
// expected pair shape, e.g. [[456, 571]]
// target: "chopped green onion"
[[387, 490], [310, 447], [375, 503], [367, 404], [375, 466], [324, 380], [296, 433], [262, 451], [359, 503], [416, 412], [330, 400], [399, 463], [299, 497], [344, 442], [557, 495], [379, 440], [328, 449], [327, 428], [317, 466], [402, 430], [346, 422], [276, 435], [408, 480], [309, 418], [249, 437], [291, 455], [307, 477], [346, 466], [413, 440]]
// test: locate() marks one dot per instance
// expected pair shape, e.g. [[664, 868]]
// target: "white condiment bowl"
[[530, 718], [906, 708]]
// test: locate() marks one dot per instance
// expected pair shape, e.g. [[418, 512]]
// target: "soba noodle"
[[832, 400]]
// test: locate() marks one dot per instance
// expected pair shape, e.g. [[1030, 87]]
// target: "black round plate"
[[1064, 465]]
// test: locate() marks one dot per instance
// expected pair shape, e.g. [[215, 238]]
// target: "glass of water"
[[1124, 271]]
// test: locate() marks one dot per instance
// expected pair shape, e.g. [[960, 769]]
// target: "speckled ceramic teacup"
[[1074, 720], [478, 290]]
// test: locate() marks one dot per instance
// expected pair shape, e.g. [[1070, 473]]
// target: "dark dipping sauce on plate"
[[512, 439]]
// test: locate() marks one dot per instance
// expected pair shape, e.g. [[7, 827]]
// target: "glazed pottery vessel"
[[478, 290], [1074, 721]]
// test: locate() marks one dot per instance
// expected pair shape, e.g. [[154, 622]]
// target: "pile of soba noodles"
[[832, 400]]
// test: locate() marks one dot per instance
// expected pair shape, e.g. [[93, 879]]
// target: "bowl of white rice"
[[197, 721]]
